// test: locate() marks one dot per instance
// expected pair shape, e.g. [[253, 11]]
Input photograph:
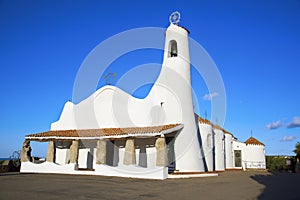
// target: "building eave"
[[174, 128]]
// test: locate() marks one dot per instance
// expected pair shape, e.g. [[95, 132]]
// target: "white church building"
[[158, 136]]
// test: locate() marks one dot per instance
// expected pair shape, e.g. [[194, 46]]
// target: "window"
[[173, 49], [209, 139]]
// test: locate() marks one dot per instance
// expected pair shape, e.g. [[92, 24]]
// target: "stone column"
[[161, 152], [74, 152], [26, 151], [101, 152], [129, 156], [51, 152]]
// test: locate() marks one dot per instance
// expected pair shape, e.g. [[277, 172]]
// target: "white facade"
[[228, 151], [207, 144], [252, 155], [219, 150], [169, 102], [192, 146], [239, 154], [255, 157]]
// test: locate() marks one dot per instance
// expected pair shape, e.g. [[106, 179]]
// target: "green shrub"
[[276, 163]]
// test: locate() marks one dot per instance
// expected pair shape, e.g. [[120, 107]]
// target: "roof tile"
[[204, 121], [103, 131], [254, 141]]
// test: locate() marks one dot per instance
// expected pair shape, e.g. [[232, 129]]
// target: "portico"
[[140, 147]]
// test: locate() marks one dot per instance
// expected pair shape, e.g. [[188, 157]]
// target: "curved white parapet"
[[111, 107], [66, 120]]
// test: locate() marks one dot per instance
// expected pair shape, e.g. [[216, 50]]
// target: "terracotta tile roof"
[[254, 141], [204, 121], [104, 132], [226, 132], [215, 126], [222, 129]]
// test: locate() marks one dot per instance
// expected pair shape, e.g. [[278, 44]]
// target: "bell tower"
[[173, 87]]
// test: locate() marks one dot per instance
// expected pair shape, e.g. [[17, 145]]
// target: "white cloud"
[[295, 123], [210, 96], [274, 125], [288, 138]]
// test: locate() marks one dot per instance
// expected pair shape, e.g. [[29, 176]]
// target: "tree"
[[277, 163], [297, 150]]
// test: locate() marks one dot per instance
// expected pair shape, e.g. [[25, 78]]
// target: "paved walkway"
[[228, 185]]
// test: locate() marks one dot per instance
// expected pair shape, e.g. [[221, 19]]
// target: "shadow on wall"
[[200, 143], [279, 185]]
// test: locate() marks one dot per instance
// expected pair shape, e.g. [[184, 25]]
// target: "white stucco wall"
[[146, 160], [62, 152], [255, 157], [207, 137], [87, 154], [169, 102], [228, 151], [219, 150], [66, 120], [82, 157], [62, 156], [175, 79], [236, 145], [103, 170]]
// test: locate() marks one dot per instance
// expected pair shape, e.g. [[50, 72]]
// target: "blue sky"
[[255, 45]]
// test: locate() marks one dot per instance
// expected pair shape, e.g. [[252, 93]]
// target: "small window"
[[209, 139], [173, 49]]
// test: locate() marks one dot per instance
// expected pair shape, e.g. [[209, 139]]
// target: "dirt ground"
[[228, 185]]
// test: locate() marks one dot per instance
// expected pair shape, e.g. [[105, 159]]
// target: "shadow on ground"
[[279, 185], [10, 174]]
